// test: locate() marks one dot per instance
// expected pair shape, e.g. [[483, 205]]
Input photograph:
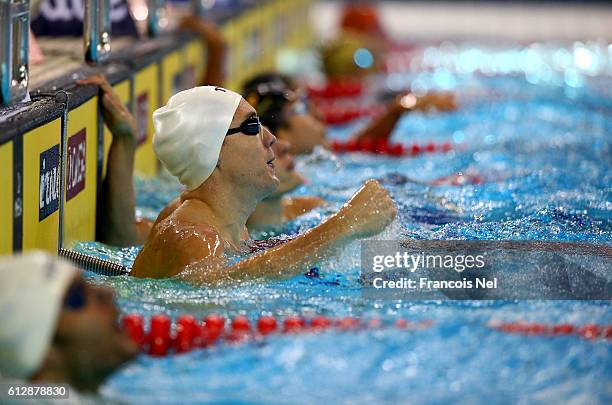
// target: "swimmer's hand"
[[369, 211], [116, 115]]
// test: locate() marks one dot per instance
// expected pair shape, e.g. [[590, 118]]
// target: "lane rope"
[[589, 331], [162, 339], [384, 147]]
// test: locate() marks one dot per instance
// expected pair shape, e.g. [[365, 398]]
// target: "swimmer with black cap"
[[211, 139], [282, 107]]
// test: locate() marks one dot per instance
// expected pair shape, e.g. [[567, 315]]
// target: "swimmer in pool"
[[280, 107], [118, 224], [211, 139], [359, 28], [57, 328], [278, 207]]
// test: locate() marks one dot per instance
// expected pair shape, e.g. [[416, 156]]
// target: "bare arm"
[[216, 48], [368, 212], [382, 126], [293, 207], [116, 208]]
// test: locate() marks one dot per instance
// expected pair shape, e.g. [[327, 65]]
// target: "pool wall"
[[53, 149]]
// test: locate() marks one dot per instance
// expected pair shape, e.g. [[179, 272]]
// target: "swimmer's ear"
[[253, 99]]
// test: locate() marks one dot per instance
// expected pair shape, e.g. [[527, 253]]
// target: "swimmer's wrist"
[[124, 133], [337, 225], [348, 219]]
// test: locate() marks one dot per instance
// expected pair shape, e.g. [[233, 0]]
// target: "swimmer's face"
[[284, 158], [88, 337], [285, 169], [248, 161], [304, 132]]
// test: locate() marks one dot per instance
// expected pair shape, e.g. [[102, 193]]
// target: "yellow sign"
[[172, 75], [233, 50], [195, 58], [123, 91], [251, 57], [268, 20], [6, 198], [41, 187], [80, 180], [146, 88]]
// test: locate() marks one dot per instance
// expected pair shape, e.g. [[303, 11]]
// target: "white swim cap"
[[190, 130], [32, 292]]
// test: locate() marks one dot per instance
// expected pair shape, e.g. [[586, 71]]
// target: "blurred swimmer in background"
[[282, 107], [278, 207]]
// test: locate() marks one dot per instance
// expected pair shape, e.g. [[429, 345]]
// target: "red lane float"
[[187, 333], [341, 115], [336, 113], [293, 324], [133, 325], [384, 147], [589, 331], [266, 325], [336, 89], [212, 329], [190, 334], [320, 323], [159, 339]]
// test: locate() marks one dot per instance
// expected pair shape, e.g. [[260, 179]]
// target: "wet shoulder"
[[175, 244], [180, 227]]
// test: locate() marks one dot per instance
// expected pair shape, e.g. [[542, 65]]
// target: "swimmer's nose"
[[268, 139], [281, 148]]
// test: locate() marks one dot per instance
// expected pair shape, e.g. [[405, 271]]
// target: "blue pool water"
[[544, 148]]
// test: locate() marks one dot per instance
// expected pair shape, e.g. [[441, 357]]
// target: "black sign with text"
[[48, 201]]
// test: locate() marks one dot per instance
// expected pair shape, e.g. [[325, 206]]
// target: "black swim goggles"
[[251, 126], [75, 297]]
